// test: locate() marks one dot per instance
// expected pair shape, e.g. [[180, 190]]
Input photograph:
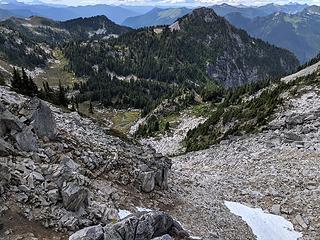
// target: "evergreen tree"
[[73, 108], [16, 80], [62, 99], [90, 108], [77, 104], [23, 84], [167, 126]]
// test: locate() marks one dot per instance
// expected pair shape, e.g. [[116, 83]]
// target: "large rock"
[[6, 148], [42, 118], [74, 197], [147, 181], [8, 122], [144, 226], [291, 137], [89, 233], [26, 140], [161, 178], [5, 176], [164, 237]]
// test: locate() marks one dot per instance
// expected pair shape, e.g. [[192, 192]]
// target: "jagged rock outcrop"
[[141, 226]]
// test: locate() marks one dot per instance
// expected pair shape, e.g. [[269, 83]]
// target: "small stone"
[[22, 197], [286, 210], [275, 209], [37, 176], [301, 221]]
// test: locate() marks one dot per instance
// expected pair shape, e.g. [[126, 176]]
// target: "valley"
[[191, 129]]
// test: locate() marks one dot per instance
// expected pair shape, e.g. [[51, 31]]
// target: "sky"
[[169, 2]]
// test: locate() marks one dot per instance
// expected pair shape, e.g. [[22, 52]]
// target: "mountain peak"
[[208, 15], [314, 9]]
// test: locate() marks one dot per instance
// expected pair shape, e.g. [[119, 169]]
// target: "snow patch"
[[264, 225], [141, 209], [123, 213]]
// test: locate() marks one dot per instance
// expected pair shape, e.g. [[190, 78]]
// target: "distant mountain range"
[[299, 33], [115, 13], [146, 15], [252, 12], [160, 16], [156, 16]]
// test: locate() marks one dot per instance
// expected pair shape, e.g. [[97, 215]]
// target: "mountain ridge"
[[157, 16], [296, 32]]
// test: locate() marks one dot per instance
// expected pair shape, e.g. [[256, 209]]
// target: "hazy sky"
[[168, 2]]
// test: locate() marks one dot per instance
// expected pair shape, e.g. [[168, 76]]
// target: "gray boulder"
[[43, 121], [6, 148], [123, 230], [153, 224], [144, 226], [161, 178], [26, 140], [164, 237], [147, 181], [89, 233], [5, 176], [9, 122], [292, 137], [74, 197]]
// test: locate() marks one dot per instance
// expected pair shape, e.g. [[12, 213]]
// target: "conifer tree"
[[90, 108], [23, 84], [62, 99]]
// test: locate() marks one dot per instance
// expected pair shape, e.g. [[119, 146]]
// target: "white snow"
[[123, 213], [264, 225], [142, 209]]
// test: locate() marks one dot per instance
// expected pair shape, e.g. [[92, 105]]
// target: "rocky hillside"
[[297, 32], [28, 42], [273, 167], [67, 172]]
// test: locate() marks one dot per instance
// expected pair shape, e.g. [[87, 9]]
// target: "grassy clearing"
[[121, 120], [56, 71], [201, 110]]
